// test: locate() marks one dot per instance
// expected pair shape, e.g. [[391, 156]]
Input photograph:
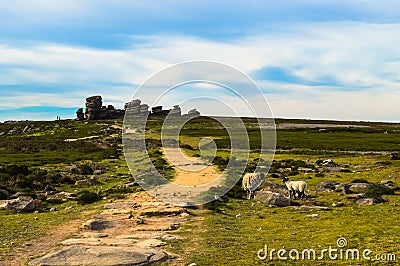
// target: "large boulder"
[[272, 198], [22, 203]]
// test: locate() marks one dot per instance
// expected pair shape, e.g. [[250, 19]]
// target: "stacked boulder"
[[96, 111], [93, 107]]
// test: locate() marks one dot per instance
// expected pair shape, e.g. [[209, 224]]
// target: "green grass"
[[223, 238]]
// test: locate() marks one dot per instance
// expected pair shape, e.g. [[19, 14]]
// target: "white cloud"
[[359, 59]]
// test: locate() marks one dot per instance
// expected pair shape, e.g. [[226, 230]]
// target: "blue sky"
[[311, 59]]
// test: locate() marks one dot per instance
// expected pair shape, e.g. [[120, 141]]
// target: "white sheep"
[[294, 187], [252, 181]]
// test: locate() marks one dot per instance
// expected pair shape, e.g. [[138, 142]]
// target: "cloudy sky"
[[311, 59]]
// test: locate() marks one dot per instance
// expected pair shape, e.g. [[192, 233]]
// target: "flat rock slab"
[[100, 256]]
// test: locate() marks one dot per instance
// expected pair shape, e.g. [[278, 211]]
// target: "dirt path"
[[190, 171], [131, 231], [41, 245]]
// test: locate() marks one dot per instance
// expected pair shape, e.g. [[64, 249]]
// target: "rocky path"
[[127, 232]]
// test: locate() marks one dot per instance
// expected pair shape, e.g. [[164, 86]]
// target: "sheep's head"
[[285, 179]]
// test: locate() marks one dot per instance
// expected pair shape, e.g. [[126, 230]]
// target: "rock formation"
[[96, 111]]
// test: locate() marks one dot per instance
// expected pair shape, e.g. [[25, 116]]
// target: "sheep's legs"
[[248, 194]]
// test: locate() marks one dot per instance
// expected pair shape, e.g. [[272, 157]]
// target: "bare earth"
[[190, 171]]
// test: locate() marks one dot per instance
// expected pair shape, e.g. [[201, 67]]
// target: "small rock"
[[238, 215], [53, 209], [367, 201], [36, 218], [338, 204], [184, 215], [314, 215]]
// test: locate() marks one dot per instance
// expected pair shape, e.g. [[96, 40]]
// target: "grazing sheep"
[[251, 181], [294, 187]]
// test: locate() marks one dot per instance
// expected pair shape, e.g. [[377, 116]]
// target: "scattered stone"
[[97, 224], [238, 215], [100, 256], [367, 201], [53, 209], [338, 204], [272, 198], [310, 208], [314, 215]]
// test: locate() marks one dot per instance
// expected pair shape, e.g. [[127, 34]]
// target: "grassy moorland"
[[39, 159]]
